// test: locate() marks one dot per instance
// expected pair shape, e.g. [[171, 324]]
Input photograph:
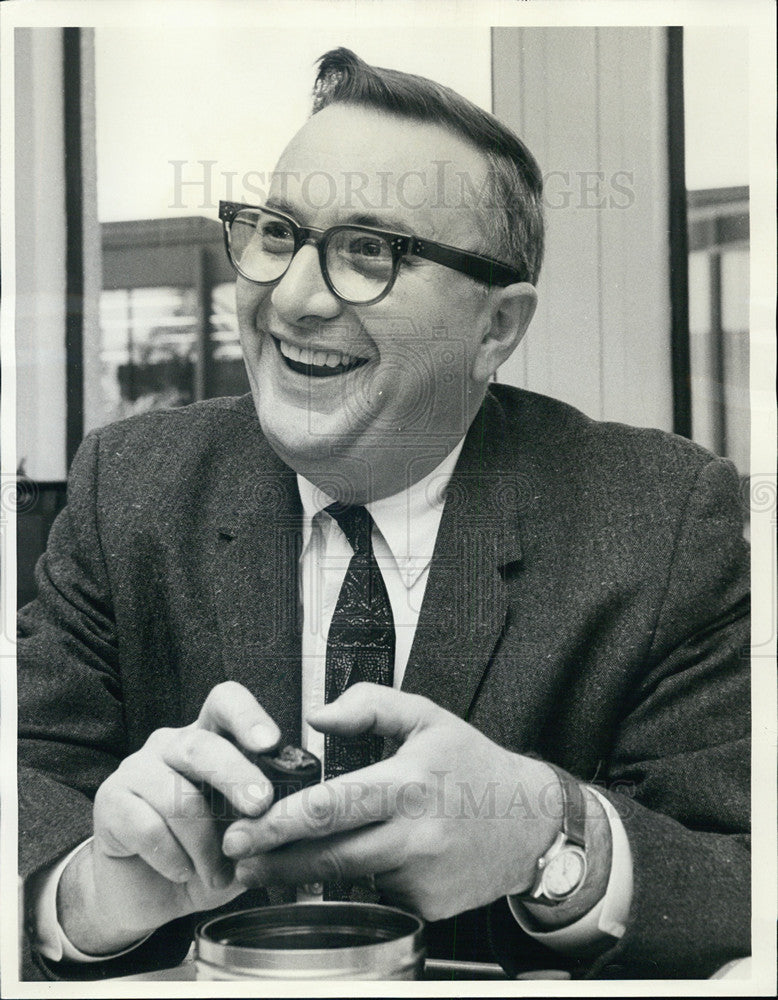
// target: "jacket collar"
[[465, 604], [256, 544]]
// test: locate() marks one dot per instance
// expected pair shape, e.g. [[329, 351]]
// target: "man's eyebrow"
[[391, 223], [280, 205], [380, 222]]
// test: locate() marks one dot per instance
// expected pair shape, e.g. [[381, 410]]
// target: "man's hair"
[[513, 218]]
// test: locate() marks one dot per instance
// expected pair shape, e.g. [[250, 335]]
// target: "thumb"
[[377, 709], [232, 710]]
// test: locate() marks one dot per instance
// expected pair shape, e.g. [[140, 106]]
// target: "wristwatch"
[[562, 868]]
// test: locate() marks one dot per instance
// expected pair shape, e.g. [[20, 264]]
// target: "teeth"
[[322, 359]]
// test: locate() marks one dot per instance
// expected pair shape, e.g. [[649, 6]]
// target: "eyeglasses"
[[359, 264]]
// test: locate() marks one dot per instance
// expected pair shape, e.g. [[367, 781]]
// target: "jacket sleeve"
[[71, 733], [71, 723], [679, 770]]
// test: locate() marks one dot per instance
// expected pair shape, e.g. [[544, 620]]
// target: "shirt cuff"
[[609, 915], [48, 937]]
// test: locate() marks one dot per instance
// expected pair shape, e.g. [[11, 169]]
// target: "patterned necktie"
[[360, 643]]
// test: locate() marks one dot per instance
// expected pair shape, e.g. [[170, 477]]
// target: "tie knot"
[[356, 524]]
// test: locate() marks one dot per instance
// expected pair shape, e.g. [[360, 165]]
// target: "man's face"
[[403, 389]]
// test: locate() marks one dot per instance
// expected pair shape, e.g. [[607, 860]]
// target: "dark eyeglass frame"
[[474, 265]]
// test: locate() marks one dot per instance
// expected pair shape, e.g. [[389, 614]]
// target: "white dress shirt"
[[406, 527]]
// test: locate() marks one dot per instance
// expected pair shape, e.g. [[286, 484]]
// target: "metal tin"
[[311, 941]]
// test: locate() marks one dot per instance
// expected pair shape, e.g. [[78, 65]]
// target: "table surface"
[[438, 970], [435, 970]]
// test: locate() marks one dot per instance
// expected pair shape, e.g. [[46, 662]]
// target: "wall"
[[40, 253], [590, 104]]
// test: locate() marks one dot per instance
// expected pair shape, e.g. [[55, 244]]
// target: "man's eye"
[[276, 231], [367, 247]]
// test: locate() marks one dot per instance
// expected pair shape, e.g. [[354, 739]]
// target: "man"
[[553, 651]]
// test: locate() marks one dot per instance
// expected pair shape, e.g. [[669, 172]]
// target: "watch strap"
[[571, 837], [573, 807]]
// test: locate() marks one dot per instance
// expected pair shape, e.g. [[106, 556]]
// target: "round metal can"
[[311, 941]]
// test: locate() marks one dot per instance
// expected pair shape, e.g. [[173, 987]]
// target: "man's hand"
[[158, 825], [450, 822]]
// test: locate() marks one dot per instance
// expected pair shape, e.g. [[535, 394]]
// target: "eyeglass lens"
[[359, 264]]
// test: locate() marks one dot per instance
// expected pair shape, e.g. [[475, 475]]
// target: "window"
[[168, 333], [716, 126]]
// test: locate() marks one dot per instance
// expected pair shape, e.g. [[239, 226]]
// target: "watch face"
[[564, 873]]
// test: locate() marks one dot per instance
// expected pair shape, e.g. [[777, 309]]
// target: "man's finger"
[[374, 708], [346, 856], [207, 758], [353, 800], [134, 828], [184, 812], [232, 709]]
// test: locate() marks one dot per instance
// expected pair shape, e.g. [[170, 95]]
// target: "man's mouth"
[[318, 364]]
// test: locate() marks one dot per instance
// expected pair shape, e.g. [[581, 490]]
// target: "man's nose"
[[303, 292]]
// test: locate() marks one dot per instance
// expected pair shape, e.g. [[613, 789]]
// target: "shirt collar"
[[408, 520]]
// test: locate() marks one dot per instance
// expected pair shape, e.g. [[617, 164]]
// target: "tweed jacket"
[[587, 603]]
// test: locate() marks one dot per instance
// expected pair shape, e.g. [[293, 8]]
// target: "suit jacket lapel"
[[256, 544], [465, 604]]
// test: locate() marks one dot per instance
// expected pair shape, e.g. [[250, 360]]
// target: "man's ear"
[[512, 308]]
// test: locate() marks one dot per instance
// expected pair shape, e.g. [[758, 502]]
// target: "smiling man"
[[516, 637], [364, 345]]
